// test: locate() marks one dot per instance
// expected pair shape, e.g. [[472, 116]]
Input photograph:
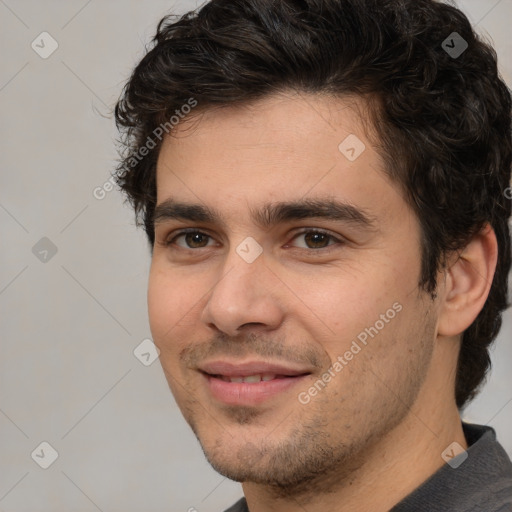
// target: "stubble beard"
[[314, 458], [310, 460]]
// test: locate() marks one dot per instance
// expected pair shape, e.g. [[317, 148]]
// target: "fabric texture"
[[481, 483]]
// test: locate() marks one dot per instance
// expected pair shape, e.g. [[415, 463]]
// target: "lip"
[[231, 369], [250, 393]]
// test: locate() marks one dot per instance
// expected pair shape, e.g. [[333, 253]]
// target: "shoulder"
[[239, 506]]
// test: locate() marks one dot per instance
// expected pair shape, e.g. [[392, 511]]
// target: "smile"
[[250, 390]]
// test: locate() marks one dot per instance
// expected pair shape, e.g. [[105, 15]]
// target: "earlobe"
[[467, 284]]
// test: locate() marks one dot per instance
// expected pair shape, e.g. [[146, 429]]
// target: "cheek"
[[158, 303], [168, 303], [342, 300], [363, 317]]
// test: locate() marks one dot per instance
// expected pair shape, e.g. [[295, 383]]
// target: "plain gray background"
[[71, 320]]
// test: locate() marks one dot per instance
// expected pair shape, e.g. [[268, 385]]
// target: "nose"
[[243, 296]]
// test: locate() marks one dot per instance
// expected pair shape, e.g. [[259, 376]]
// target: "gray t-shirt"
[[482, 483]]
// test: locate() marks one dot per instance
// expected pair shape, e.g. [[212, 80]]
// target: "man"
[[323, 186]]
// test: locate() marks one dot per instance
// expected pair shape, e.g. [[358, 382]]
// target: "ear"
[[467, 283]]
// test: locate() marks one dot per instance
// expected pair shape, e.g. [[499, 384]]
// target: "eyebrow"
[[269, 214]]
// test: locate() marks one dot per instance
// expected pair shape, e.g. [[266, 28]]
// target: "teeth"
[[250, 378]]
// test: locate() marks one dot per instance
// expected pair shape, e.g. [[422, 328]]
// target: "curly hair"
[[443, 120]]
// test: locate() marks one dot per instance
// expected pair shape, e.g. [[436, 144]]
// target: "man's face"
[[237, 296]]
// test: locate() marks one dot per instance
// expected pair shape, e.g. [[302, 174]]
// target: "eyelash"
[[169, 242]]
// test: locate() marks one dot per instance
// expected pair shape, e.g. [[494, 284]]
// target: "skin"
[[377, 430]]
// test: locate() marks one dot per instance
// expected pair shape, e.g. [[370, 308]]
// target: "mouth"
[[250, 384], [266, 377]]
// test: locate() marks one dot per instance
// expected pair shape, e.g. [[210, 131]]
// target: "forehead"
[[278, 122], [283, 147]]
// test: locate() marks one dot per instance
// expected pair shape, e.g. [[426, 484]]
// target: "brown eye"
[[316, 239], [193, 239]]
